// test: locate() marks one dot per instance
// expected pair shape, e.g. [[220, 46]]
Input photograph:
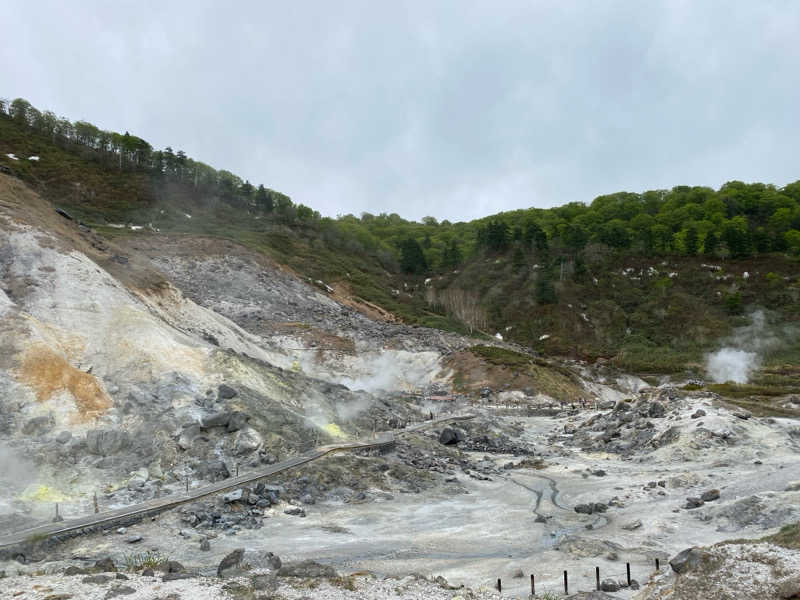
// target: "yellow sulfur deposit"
[[42, 493], [334, 430]]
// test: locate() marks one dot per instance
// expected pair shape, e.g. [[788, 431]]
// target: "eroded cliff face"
[[111, 379]]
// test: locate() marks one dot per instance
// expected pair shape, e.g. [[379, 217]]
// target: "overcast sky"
[[450, 109]]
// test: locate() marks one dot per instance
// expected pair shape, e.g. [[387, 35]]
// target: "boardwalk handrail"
[[157, 505]]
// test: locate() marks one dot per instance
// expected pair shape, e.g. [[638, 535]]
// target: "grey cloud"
[[448, 108]]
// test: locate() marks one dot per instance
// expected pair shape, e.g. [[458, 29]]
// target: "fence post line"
[[597, 577], [628, 569], [533, 585], [566, 585], [658, 568], [499, 585]]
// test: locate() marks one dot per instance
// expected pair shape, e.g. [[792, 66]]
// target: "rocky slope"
[[115, 382]]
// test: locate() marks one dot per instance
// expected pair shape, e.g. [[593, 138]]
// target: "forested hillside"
[[649, 280]]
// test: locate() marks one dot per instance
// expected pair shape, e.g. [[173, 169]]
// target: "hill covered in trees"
[[649, 280]]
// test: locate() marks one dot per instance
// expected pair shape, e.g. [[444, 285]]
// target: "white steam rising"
[[16, 473], [731, 364], [737, 360]]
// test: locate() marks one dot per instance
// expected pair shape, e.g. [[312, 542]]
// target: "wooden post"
[[597, 577], [96, 508], [566, 586], [499, 585], [628, 569], [187, 484], [237, 469], [658, 568], [533, 585], [56, 511]]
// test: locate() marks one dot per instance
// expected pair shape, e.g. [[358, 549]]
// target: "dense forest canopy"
[[738, 220]]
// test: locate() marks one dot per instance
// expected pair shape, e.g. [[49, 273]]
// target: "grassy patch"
[[502, 357], [743, 390], [143, 560], [788, 537]]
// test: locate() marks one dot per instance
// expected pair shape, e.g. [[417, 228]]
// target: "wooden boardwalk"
[[157, 505]]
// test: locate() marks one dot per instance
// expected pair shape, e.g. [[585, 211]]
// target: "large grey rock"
[[306, 568], [686, 560], [656, 410], [105, 565], [219, 419], [104, 442], [237, 421], [709, 495], [97, 579], [450, 436], [692, 502], [64, 437], [231, 565], [234, 496], [609, 585], [38, 425], [226, 392], [632, 525]]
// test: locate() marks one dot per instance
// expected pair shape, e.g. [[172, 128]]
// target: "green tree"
[[690, 240], [412, 258], [545, 290], [263, 199], [792, 238], [710, 243]]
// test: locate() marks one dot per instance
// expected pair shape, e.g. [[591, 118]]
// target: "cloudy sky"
[[450, 109]]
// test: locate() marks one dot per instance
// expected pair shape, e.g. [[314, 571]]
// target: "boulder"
[[97, 579], [692, 502], [306, 568], [792, 486], [73, 570], [38, 425], [233, 496], [226, 392], [237, 421], [294, 511], [686, 560], [105, 565], [173, 566], [632, 525], [609, 585], [450, 436], [742, 414], [656, 410], [698, 413], [177, 576], [246, 441], [709, 496], [231, 564], [219, 419], [64, 437], [104, 442]]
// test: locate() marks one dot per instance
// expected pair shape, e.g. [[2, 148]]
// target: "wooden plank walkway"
[[157, 505]]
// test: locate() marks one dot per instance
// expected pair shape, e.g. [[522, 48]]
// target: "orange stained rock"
[[48, 373]]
